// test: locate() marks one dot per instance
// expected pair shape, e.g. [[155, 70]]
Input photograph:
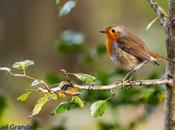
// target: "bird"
[[128, 51]]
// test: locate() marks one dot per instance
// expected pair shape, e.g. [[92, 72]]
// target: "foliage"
[[77, 100], [23, 64], [24, 96], [149, 96], [85, 77], [98, 108], [58, 91], [41, 102], [62, 107]]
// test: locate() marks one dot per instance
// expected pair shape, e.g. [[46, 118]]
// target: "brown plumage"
[[127, 50]]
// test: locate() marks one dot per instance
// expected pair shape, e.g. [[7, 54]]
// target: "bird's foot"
[[130, 83]]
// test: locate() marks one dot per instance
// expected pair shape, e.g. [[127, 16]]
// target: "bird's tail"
[[166, 59], [158, 57]]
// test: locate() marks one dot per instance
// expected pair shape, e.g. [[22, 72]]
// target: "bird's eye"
[[113, 31]]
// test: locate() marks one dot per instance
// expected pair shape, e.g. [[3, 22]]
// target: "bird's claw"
[[131, 83]]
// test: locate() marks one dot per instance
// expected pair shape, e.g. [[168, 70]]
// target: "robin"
[[128, 51]]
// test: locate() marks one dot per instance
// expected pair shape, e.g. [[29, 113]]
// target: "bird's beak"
[[102, 31]]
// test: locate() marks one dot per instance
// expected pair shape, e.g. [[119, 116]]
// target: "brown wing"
[[136, 47]]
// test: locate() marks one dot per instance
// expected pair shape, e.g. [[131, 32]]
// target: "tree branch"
[[118, 84], [163, 17], [168, 23], [169, 118]]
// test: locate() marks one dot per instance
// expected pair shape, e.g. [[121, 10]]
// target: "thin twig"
[[21, 75], [29, 77], [163, 17]]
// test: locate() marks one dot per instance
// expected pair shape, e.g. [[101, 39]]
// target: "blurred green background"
[[32, 29]]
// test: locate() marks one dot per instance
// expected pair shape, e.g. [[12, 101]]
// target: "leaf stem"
[[24, 71]]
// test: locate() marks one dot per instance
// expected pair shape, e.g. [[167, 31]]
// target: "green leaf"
[[62, 107], [85, 77], [52, 96], [23, 64], [98, 108], [78, 101], [5, 69], [24, 96], [67, 7], [41, 102]]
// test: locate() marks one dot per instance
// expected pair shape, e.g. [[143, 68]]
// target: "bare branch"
[[169, 117], [168, 24], [163, 17], [20, 75], [25, 76], [118, 84]]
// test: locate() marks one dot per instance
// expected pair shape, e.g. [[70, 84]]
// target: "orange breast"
[[109, 41], [109, 46]]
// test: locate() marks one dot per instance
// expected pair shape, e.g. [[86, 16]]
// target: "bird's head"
[[115, 32]]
